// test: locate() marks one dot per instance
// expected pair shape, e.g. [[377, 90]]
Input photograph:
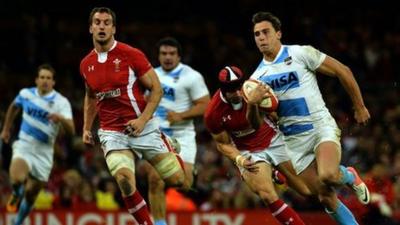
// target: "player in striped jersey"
[[185, 97], [310, 131], [44, 111]]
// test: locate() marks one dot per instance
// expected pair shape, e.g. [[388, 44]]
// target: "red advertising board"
[[231, 217]]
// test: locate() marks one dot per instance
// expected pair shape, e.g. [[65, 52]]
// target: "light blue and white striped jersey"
[[35, 126], [181, 87], [292, 77]]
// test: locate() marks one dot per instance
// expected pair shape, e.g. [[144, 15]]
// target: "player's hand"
[[361, 115], [247, 163], [134, 127], [5, 136], [258, 94], [55, 117], [273, 116], [174, 117], [87, 137]]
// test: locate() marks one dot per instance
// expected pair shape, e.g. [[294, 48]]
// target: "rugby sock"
[[284, 213], [138, 209], [160, 222], [23, 212], [347, 176], [342, 215]]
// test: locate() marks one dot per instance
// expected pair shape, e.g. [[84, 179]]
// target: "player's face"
[[266, 37], [102, 28], [45, 81], [234, 97], [168, 57]]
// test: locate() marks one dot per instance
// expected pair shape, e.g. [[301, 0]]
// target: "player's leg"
[[169, 168], [122, 167], [294, 181], [327, 196], [19, 171], [328, 156], [261, 183], [156, 194], [188, 169], [166, 162], [32, 189]]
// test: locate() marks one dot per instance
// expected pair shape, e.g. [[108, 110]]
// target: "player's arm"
[[12, 112], [89, 114], [253, 114], [198, 108], [225, 146], [67, 124], [152, 83], [333, 67]]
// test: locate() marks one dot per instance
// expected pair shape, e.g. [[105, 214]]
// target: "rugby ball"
[[269, 104]]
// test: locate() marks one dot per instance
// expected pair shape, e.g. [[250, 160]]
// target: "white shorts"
[[301, 147], [38, 156], [275, 154], [145, 146], [187, 140]]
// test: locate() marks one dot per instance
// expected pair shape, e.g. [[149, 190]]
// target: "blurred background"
[[363, 35]]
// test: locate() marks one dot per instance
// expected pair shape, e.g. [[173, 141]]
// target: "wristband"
[[239, 160]]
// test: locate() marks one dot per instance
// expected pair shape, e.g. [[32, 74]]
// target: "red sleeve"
[[138, 61], [211, 119]]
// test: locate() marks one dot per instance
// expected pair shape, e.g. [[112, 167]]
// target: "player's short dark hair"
[[48, 67], [169, 41], [103, 10], [267, 16]]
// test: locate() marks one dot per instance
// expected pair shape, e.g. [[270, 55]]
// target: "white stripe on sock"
[[137, 207], [283, 207]]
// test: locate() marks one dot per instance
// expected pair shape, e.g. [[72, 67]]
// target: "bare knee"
[[156, 184], [126, 182], [329, 178]]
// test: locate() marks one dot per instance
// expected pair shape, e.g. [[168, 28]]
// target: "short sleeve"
[[310, 56], [138, 61], [65, 109], [211, 122], [198, 87]]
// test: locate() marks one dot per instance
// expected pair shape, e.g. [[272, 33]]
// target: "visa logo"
[[282, 81], [169, 92], [37, 113]]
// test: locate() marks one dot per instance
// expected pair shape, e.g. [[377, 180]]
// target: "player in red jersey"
[[116, 76], [254, 150]]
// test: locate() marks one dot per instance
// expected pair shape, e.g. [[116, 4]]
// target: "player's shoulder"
[[215, 103], [300, 49], [88, 56], [158, 70], [60, 97], [129, 49], [191, 72], [27, 91]]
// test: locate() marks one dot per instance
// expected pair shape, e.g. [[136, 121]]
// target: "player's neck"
[[104, 47], [43, 92], [270, 56]]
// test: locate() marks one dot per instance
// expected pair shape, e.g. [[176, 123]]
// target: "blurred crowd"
[[366, 38]]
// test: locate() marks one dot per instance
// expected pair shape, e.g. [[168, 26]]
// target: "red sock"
[[138, 209], [284, 213]]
